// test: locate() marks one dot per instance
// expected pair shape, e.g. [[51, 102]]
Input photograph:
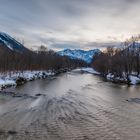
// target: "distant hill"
[[9, 42], [86, 56]]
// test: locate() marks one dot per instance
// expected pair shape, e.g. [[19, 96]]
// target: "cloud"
[[70, 23]]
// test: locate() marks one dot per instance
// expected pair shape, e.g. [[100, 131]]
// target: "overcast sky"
[[72, 24]]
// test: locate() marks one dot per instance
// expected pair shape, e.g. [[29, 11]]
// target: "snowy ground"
[[10, 78], [90, 70], [87, 70], [133, 79]]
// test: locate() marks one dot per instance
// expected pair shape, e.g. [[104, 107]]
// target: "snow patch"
[[90, 70], [86, 70], [10, 78], [134, 80], [110, 76]]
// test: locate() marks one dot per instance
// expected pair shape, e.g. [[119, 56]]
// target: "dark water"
[[72, 106]]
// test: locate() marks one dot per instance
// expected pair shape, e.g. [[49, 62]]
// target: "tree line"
[[120, 62], [40, 60]]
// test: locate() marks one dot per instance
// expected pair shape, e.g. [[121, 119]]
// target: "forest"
[[42, 59], [120, 62]]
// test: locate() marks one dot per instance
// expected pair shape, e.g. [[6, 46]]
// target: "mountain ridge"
[[11, 43], [86, 56]]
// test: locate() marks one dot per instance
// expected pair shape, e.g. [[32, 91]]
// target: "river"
[[71, 106]]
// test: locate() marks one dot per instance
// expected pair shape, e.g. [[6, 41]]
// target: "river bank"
[[17, 78], [131, 79]]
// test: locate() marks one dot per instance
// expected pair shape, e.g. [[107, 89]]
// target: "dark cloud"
[[69, 23]]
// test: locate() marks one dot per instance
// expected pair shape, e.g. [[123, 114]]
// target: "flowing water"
[[71, 106]]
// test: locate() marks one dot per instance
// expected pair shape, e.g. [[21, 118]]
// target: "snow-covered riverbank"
[[13, 78], [87, 70], [16, 78], [132, 79]]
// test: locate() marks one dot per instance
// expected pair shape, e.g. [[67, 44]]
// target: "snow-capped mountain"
[[11, 43], [86, 56], [134, 45]]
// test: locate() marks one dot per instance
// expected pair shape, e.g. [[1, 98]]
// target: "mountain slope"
[[11, 43], [86, 56]]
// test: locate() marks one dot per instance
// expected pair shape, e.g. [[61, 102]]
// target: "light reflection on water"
[[75, 106]]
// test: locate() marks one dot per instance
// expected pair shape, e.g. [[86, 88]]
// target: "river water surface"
[[71, 106]]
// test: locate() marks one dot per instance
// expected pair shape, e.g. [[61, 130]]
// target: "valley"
[[69, 70]]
